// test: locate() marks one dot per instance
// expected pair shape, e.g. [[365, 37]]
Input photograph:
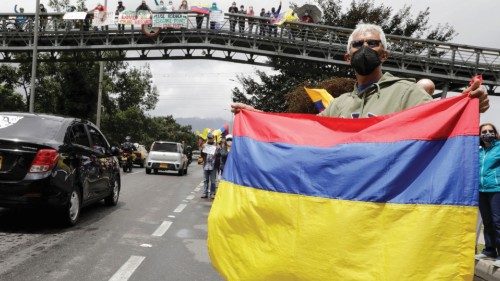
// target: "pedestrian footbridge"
[[450, 65]]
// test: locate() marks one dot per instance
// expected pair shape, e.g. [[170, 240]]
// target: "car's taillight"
[[44, 161]]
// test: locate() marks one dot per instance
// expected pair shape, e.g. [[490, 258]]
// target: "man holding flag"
[[312, 198]]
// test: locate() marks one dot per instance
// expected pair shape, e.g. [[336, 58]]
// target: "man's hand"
[[238, 106], [475, 90]]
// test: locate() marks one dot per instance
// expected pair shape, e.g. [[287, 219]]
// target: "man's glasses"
[[487, 131], [372, 43]]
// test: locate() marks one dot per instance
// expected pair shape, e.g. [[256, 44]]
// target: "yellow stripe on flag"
[[319, 95], [255, 234]]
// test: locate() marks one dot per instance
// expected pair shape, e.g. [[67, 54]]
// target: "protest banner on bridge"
[[170, 20], [75, 16], [103, 18], [216, 19], [130, 17]]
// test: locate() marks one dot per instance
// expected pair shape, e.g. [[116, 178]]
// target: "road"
[[157, 232]]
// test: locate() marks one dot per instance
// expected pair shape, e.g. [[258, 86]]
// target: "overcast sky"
[[202, 88]]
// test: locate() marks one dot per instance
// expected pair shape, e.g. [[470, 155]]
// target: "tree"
[[270, 93]]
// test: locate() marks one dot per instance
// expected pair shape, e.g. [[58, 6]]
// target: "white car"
[[166, 156]]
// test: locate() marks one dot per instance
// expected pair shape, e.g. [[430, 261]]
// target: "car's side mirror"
[[114, 151]]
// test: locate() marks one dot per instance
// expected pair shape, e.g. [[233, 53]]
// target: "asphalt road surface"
[[157, 232]]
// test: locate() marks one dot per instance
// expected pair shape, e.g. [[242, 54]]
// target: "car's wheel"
[[125, 168], [148, 171], [112, 198], [71, 212], [142, 164]]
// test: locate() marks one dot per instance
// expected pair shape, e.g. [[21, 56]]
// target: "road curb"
[[486, 271]]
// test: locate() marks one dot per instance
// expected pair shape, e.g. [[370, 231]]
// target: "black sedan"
[[55, 161]]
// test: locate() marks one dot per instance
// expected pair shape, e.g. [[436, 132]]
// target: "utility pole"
[[101, 75], [35, 57]]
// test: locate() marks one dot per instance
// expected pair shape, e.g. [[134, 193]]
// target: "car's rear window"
[[164, 147], [28, 127]]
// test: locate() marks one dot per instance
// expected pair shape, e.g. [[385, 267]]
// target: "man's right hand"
[[238, 106]]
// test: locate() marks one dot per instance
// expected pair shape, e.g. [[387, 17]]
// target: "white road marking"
[[185, 201], [197, 189], [170, 216], [180, 208], [133, 173], [162, 228], [127, 269], [146, 245], [190, 197]]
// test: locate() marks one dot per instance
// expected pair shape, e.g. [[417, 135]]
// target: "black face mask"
[[210, 142], [365, 60], [488, 137]]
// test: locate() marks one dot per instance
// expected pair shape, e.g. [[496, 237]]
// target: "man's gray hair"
[[362, 28]]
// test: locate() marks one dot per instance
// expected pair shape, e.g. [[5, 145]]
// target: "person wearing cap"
[[209, 153], [232, 20]]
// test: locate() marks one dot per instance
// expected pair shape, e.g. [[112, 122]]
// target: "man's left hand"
[[475, 90]]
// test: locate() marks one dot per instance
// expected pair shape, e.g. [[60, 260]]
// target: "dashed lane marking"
[[127, 269], [162, 228], [190, 197], [180, 208], [170, 216]]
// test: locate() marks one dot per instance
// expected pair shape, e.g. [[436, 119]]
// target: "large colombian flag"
[[392, 197]]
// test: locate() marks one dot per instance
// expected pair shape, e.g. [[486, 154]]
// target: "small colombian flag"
[[320, 97]]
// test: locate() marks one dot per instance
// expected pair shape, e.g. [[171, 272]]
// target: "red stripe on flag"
[[417, 123]]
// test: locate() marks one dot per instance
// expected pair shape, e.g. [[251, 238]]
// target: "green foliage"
[[9, 99], [268, 92], [70, 89]]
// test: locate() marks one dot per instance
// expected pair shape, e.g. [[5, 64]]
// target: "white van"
[[166, 156]]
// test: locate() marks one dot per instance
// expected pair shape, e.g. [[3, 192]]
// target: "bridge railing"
[[406, 52]]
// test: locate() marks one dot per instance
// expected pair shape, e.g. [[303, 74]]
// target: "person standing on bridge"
[[241, 20], [20, 19], [489, 191], [251, 21], [377, 93], [184, 6], [143, 7], [275, 14], [43, 17], [120, 8], [170, 7], [232, 20], [263, 23], [160, 7]]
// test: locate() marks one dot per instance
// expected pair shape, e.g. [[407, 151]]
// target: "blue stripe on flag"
[[405, 172]]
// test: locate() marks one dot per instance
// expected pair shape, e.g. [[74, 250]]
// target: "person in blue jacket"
[[489, 191]]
